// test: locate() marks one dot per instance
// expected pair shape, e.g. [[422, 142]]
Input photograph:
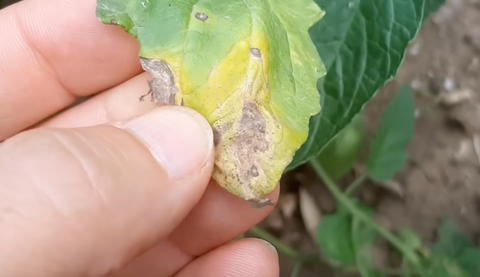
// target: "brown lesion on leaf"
[[219, 130], [162, 87], [250, 140], [252, 128]]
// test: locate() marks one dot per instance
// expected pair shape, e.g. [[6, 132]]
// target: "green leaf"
[[388, 153], [362, 43], [348, 241], [250, 67], [431, 6], [334, 234], [447, 268], [363, 237], [341, 153], [452, 241], [469, 260], [410, 238], [453, 255]]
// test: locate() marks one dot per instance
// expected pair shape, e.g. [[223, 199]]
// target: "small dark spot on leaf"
[[256, 52], [254, 171], [201, 16], [114, 22]]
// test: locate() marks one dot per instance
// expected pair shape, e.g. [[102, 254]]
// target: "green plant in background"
[[362, 44], [340, 154], [346, 237]]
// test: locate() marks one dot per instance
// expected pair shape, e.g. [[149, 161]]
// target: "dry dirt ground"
[[442, 175]]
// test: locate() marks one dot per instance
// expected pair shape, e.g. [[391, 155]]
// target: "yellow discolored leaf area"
[[248, 66], [250, 155]]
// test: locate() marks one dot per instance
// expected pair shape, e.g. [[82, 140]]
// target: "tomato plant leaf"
[[388, 146], [341, 153], [451, 240], [363, 237], [347, 241], [250, 67], [454, 255], [362, 43], [334, 235], [410, 238]]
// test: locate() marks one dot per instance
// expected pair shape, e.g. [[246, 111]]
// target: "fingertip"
[[179, 138], [91, 199], [247, 257], [54, 51], [115, 104], [218, 210]]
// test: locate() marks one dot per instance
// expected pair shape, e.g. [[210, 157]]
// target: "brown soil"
[[442, 175]]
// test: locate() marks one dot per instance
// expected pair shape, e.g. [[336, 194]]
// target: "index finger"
[[54, 51]]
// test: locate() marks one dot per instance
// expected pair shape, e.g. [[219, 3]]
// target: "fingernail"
[[268, 244], [178, 137]]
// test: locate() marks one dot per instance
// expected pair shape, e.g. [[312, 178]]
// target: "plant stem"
[[239, 238], [347, 203], [356, 184], [296, 269], [280, 246]]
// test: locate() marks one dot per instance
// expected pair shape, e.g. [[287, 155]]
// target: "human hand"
[[112, 187]]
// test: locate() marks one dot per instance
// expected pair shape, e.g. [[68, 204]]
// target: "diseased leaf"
[[363, 44], [248, 66], [388, 147]]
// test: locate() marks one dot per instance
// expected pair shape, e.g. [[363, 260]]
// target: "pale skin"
[[114, 186]]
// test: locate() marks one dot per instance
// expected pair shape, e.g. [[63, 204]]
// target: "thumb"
[[85, 201]]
